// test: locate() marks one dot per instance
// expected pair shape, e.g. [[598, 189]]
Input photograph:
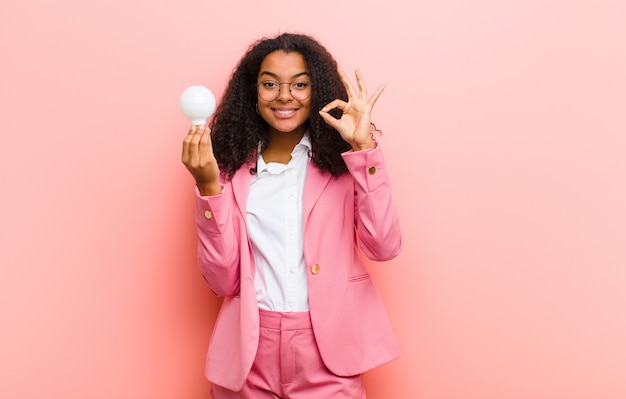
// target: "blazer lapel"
[[241, 187], [316, 181]]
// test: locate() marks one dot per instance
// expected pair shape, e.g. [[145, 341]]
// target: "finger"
[[346, 82], [187, 144], [340, 104], [376, 94], [197, 134], [205, 146], [200, 128], [361, 83], [194, 145], [329, 119]]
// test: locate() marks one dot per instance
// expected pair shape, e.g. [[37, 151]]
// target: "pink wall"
[[505, 131]]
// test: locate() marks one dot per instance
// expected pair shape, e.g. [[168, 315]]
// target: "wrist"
[[363, 146], [209, 189]]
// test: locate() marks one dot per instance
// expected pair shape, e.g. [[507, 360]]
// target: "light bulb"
[[197, 103]]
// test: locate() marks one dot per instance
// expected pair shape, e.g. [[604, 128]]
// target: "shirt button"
[[315, 269], [208, 214], [372, 170]]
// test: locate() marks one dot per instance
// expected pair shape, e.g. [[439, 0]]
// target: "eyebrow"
[[275, 76]]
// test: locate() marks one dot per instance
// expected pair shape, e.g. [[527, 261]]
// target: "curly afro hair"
[[237, 128]]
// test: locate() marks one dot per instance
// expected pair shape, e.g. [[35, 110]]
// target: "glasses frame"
[[257, 85]]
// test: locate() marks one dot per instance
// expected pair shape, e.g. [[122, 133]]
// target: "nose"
[[284, 92]]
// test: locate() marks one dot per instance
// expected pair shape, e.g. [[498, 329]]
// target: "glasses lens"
[[300, 90], [269, 90]]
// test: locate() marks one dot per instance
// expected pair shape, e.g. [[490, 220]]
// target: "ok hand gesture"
[[354, 125]]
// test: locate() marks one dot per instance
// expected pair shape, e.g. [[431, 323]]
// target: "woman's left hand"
[[354, 126]]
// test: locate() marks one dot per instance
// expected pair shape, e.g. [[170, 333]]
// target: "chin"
[[289, 129]]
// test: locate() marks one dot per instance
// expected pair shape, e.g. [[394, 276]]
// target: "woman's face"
[[284, 92]]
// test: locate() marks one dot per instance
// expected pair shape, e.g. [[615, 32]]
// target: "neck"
[[281, 145]]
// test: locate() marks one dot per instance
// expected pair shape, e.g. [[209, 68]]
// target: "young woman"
[[292, 191]]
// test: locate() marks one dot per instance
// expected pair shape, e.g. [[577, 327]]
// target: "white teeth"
[[284, 111]]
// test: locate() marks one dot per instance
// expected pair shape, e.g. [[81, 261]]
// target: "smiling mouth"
[[284, 112]]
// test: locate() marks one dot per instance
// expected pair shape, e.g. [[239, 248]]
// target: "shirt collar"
[[303, 146]]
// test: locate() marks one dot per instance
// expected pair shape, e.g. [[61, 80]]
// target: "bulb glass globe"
[[198, 104]]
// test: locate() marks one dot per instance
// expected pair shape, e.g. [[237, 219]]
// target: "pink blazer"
[[344, 218]]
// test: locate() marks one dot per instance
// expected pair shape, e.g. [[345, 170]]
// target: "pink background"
[[505, 131]]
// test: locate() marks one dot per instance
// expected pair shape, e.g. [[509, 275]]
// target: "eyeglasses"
[[269, 90]]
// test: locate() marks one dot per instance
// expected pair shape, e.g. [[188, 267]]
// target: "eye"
[[300, 85], [269, 84]]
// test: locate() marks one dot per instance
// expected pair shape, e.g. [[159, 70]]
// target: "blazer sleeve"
[[218, 246], [377, 224]]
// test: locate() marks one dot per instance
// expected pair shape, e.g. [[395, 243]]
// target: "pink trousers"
[[288, 365]]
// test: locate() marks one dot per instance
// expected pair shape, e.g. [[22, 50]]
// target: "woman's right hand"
[[199, 159]]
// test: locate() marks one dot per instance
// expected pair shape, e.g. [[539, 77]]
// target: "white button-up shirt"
[[274, 217]]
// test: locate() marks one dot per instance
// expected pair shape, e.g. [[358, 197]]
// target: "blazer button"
[[372, 170], [315, 269], [208, 214]]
